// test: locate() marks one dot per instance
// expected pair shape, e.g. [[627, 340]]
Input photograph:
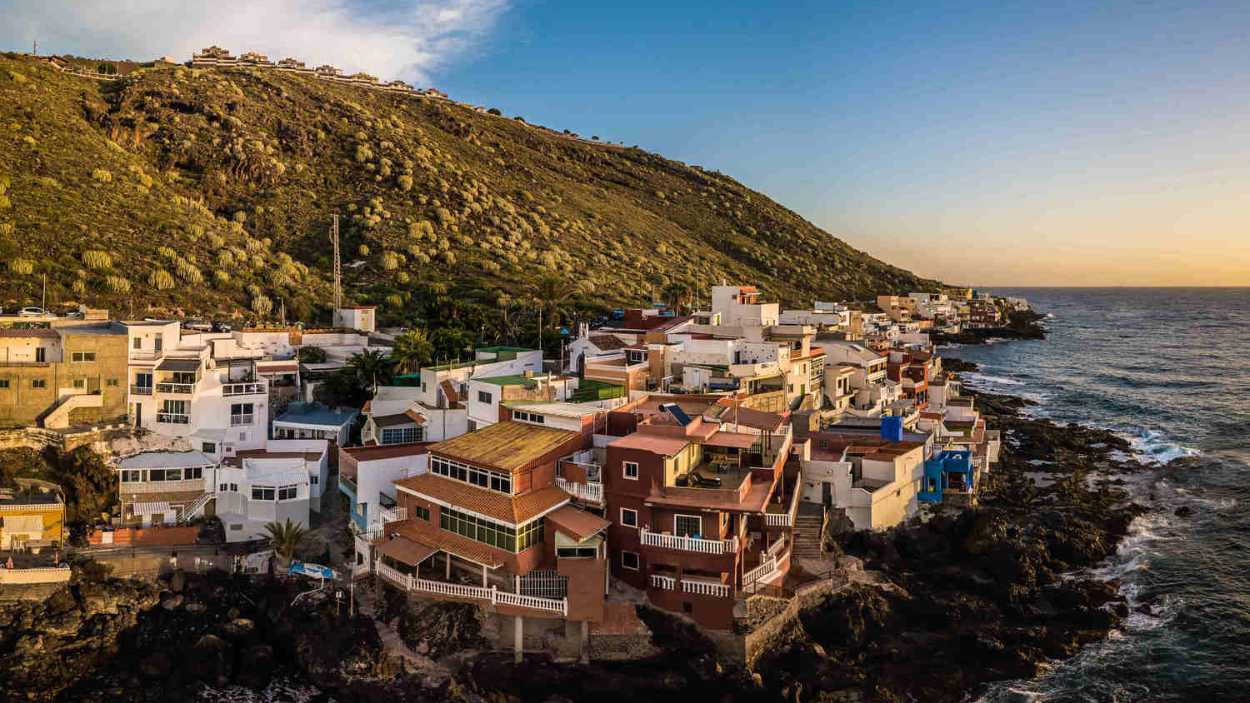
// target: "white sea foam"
[[1151, 447], [992, 380]]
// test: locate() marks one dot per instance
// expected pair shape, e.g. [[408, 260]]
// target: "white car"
[[32, 312]]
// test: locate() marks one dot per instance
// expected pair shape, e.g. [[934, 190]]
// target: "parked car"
[[32, 311], [197, 325]]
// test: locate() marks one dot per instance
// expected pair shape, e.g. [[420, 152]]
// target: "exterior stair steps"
[[807, 536]]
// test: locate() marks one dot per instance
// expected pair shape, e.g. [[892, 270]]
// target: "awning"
[[578, 524], [405, 550], [732, 440], [183, 365], [150, 508]]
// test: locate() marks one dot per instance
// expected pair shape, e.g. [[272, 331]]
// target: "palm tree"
[[678, 294], [551, 292], [284, 539], [412, 350], [372, 368]]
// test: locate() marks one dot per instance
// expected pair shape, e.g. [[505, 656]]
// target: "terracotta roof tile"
[[514, 510], [432, 536], [575, 523]]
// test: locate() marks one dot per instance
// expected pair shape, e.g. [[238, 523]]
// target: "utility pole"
[[34, 48], [44, 299], [338, 269]]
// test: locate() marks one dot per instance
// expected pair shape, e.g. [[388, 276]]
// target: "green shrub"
[[160, 280], [405, 182], [225, 259], [79, 286], [390, 261], [97, 260], [102, 175], [117, 284], [167, 253], [188, 272], [21, 267], [221, 278], [262, 305]]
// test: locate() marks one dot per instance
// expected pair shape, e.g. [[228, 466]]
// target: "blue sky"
[[993, 143]]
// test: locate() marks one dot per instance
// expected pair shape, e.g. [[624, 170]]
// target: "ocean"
[[1170, 370]]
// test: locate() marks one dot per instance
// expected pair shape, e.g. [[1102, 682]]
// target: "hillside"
[[211, 191]]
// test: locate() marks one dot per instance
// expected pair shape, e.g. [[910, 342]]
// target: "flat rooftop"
[[508, 446]]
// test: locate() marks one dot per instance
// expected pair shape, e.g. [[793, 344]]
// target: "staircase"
[[58, 417], [193, 510], [808, 527]]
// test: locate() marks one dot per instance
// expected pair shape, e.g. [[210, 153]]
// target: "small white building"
[[315, 421], [362, 318]]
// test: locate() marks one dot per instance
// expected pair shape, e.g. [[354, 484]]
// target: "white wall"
[[378, 476]]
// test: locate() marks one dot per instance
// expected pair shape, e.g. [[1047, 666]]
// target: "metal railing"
[[173, 418], [176, 388], [237, 420], [195, 508], [688, 544], [140, 390], [533, 602], [248, 388], [705, 588], [393, 514], [786, 519]]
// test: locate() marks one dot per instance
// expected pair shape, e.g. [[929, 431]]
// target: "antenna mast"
[[338, 268]]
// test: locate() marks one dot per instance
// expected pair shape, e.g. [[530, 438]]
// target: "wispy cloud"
[[409, 39]]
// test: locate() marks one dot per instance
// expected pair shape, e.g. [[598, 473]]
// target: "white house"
[[315, 421], [367, 477]]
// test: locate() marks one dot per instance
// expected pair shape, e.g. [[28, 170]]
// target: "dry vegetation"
[[210, 192]]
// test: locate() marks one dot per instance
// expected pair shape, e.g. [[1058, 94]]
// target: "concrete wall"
[[21, 404]]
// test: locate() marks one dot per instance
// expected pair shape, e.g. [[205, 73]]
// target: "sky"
[[993, 144]]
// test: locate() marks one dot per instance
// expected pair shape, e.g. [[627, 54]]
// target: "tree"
[[284, 538], [551, 292], [412, 350], [372, 368], [678, 295], [451, 342]]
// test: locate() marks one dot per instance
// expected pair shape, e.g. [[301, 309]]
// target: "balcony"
[[348, 483], [240, 420], [785, 519], [706, 588], [140, 390], [388, 515], [688, 544], [173, 418], [176, 388], [587, 492], [246, 388], [661, 581]]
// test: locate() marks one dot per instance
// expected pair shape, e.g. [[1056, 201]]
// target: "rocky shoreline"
[[1021, 324]]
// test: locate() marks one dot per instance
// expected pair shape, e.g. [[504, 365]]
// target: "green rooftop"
[[508, 381]]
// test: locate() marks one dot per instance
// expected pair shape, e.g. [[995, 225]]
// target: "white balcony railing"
[[776, 548], [392, 514], [240, 420], [176, 388], [764, 570], [689, 544], [705, 588], [667, 583], [173, 418], [491, 595], [243, 389], [590, 492], [140, 390], [785, 519]]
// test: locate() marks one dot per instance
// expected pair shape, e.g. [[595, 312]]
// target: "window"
[[262, 492], [80, 357], [577, 552], [193, 472], [138, 343], [38, 383], [132, 475], [223, 487], [288, 492], [485, 397], [629, 560], [314, 480], [4, 383], [629, 469], [490, 532], [420, 512], [241, 414], [208, 447], [111, 383], [402, 435], [156, 343], [687, 525], [524, 416], [80, 383], [472, 475], [41, 355], [629, 517], [234, 488]]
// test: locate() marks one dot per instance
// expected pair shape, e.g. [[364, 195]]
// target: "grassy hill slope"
[[211, 192]]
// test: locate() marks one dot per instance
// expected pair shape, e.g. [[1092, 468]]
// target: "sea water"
[[1170, 370]]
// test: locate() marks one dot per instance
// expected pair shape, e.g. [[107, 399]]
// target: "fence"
[[546, 584], [458, 590]]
